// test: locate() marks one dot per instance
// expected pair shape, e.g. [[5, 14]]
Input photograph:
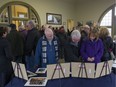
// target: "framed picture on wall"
[[52, 18], [22, 15]]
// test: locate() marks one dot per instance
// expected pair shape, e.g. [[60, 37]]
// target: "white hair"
[[75, 33], [48, 31], [87, 26]]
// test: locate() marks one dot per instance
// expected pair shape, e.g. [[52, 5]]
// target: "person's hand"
[[92, 59], [89, 59]]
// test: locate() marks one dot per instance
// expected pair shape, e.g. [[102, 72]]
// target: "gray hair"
[[75, 33], [32, 23]]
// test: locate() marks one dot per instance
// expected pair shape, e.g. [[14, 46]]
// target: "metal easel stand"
[[59, 68], [19, 71], [81, 69], [106, 66]]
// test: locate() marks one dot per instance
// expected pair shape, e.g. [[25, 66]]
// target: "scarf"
[[44, 49]]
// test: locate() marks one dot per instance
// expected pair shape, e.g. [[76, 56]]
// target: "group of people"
[[37, 48]]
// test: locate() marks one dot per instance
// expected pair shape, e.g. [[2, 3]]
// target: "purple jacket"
[[92, 49]]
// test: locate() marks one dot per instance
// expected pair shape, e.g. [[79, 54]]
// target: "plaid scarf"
[[44, 49]]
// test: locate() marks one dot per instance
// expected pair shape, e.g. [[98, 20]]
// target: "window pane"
[[4, 15], [19, 23], [110, 31], [19, 11], [107, 19]]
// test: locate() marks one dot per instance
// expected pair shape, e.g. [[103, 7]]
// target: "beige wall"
[[92, 9], [81, 11], [50, 6]]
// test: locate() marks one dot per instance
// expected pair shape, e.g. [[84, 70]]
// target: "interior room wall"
[[91, 10], [83, 10], [50, 6]]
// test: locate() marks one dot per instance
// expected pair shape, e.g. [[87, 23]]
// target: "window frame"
[[113, 26], [30, 9]]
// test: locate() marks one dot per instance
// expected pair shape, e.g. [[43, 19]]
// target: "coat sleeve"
[[69, 55], [111, 44], [99, 54], [8, 51], [83, 51]]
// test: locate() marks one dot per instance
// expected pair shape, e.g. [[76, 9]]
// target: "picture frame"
[[36, 81], [41, 70], [20, 71], [51, 67], [55, 19]]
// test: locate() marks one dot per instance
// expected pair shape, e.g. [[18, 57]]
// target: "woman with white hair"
[[72, 48]]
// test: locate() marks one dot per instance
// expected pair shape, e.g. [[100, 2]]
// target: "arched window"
[[108, 20], [18, 13]]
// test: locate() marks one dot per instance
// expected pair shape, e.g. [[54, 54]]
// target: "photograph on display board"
[[104, 68], [65, 67], [20, 71], [36, 81], [85, 70]]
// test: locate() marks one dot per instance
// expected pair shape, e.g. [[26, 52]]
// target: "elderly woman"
[[92, 48], [73, 47], [107, 42], [47, 49]]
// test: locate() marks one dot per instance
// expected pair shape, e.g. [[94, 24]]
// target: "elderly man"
[[71, 49], [47, 49], [30, 44]]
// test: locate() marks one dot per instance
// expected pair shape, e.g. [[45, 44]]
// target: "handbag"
[[112, 55], [106, 56]]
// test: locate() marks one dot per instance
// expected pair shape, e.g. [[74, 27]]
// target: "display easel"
[[17, 70], [58, 67], [81, 68], [106, 66], [20, 70]]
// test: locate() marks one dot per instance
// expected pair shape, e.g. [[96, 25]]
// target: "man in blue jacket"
[[47, 49]]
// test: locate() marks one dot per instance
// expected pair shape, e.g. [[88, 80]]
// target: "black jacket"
[[108, 46], [16, 41], [31, 41], [72, 52], [5, 55]]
